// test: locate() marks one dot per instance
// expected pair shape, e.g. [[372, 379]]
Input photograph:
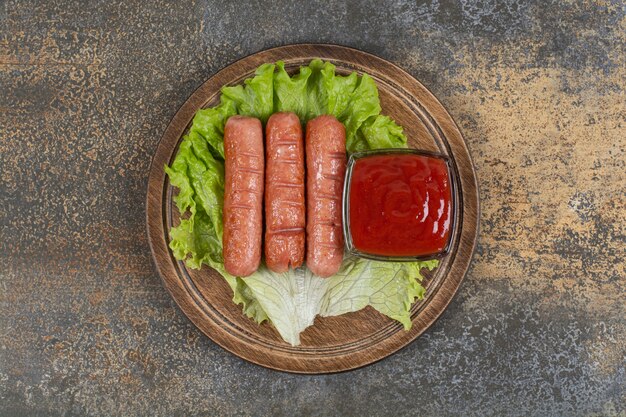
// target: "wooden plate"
[[335, 343]]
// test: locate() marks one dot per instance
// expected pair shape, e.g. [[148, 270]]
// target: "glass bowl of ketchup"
[[398, 204]]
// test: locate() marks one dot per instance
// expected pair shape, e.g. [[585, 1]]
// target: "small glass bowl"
[[346, 204]]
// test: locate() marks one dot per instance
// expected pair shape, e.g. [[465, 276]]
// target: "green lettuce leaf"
[[209, 124], [380, 132], [290, 301], [256, 98]]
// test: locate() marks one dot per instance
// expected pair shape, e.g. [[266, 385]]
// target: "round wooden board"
[[333, 344]]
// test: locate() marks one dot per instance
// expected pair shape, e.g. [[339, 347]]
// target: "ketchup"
[[400, 205]]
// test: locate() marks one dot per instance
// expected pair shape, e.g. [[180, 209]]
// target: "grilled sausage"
[[284, 192], [243, 195], [326, 166]]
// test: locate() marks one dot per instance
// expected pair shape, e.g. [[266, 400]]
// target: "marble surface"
[[538, 327]]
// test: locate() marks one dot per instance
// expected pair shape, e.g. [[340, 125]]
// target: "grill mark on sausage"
[[337, 155], [324, 196], [249, 154], [327, 223], [246, 190], [287, 230], [288, 185], [292, 203], [327, 245], [251, 171], [242, 206], [286, 161], [333, 177]]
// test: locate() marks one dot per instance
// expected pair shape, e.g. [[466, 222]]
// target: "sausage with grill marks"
[[326, 166], [284, 193], [243, 195]]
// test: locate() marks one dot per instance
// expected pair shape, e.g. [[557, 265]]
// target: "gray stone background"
[[87, 89]]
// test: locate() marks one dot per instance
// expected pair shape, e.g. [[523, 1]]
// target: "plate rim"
[[325, 51]]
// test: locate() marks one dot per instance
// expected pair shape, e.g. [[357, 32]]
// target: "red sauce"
[[400, 205]]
